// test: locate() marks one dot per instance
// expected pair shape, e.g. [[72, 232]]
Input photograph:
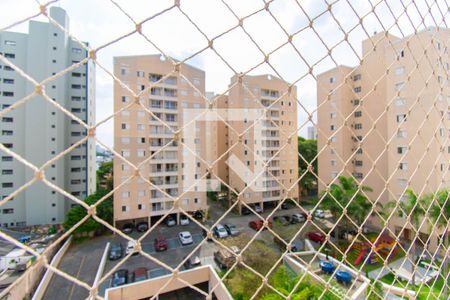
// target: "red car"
[[258, 224], [316, 237], [160, 244]]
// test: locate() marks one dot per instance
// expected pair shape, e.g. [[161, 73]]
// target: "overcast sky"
[[100, 21]]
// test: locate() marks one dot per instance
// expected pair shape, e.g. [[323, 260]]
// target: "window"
[[140, 74], [126, 153], [124, 208], [402, 53], [402, 150], [332, 79], [140, 153], [76, 98], [358, 163], [125, 194], [401, 118], [76, 74], [125, 140], [357, 89], [76, 50], [7, 132], [76, 86], [10, 43], [140, 206], [332, 127], [399, 71], [402, 182], [8, 94], [400, 102], [358, 175], [140, 126], [8, 81], [10, 158], [125, 126], [7, 172], [10, 55], [358, 114], [356, 77], [7, 211], [402, 133], [8, 68], [355, 102], [333, 163], [332, 115], [123, 71], [7, 185], [333, 139], [7, 120], [358, 126], [359, 151], [125, 99], [399, 86], [403, 166]]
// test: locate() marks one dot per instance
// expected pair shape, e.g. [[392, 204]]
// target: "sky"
[[102, 21]]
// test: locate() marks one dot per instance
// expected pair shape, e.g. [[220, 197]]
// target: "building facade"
[[312, 133], [262, 137], [38, 130], [149, 137], [388, 129]]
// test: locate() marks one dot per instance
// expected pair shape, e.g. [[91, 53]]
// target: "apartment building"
[[262, 117], [312, 132], [38, 130], [387, 129], [146, 138]]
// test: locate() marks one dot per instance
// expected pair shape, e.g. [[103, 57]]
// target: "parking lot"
[[82, 260]]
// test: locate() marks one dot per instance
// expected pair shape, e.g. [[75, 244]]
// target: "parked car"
[[139, 274], [142, 227], [283, 220], [220, 231], [245, 211], [224, 259], [24, 239], [231, 229], [115, 251], [319, 214], [205, 235], [198, 215], [316, 237], [120, 277], [258, 224], [160, 243], [184, 220], [130, 248], [192, 262], [127, 228], [285, 205], [258, 208], [185, 238], [170, 221], [296, 246], [297, 218]]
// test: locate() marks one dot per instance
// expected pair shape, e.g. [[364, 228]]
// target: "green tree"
[[104, 211], [104, 175], [345, 192], [308, 150], [411, 208], [439, 204]]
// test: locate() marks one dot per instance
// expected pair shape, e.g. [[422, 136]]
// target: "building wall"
[[254, 92], [147, 136], [423, 99], [39, 130]]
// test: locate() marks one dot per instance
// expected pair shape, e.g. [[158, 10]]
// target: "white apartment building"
[[38, 130]]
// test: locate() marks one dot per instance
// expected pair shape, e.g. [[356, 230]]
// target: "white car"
[[185, 238], [258, 208], [298, 218], [130, 247], [184, 220], [220, 231], [319, 214]]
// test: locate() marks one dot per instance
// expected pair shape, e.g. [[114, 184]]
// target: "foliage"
[[104, 175], [348, 191], [104, 211], [308, 150]]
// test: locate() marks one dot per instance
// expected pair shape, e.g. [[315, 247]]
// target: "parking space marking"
[[77, 276]]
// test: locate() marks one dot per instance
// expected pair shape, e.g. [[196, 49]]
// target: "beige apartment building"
[[152, 144], [389, 129], [262, 117]]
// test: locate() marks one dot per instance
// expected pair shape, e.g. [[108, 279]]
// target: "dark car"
[[283, 220], [316, 237], [192, 262], [115, 251], [119, 278], [127, 228], [258, 224], [231, 229], [139, 274], [160, 244], [245, 211], [142, 227], [296, 246], [205, 235], [285, 205], [198, 215]]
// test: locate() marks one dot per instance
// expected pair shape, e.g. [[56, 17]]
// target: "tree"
[[347, 192], [411, 208], [308, 150], [440, 214], [105, 176], [104, 211]]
